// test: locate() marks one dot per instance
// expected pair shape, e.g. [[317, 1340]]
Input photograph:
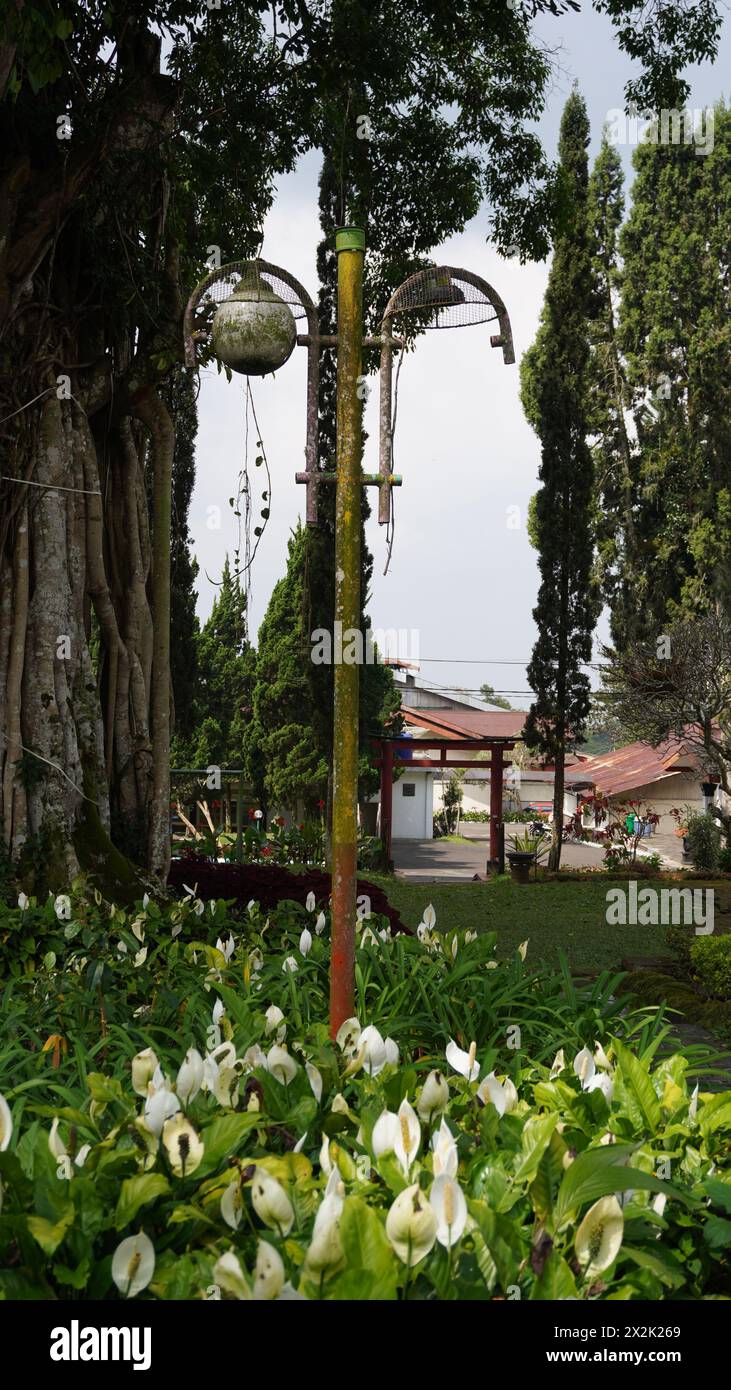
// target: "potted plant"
[[523, 855]]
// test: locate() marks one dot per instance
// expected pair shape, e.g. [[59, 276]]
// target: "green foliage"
[[537, 1139], [711, 964], [225, 664], [704, 842], [554, 392]]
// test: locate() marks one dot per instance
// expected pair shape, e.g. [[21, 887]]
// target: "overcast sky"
[[463, 576]]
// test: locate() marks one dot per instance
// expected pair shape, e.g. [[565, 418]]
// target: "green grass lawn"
[[551, 915]]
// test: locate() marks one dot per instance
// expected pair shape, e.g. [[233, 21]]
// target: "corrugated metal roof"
[[637, 764]]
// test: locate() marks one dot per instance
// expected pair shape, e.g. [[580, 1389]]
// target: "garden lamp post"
[[244, 313]]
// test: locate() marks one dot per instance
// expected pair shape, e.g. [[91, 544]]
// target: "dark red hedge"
[[269, 884]]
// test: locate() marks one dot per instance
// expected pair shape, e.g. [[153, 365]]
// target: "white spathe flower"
[[454, 946], [693, 1106], [23, 902], [268, 1272], [600, 1057], [523, 949], [183, 1144], [584, 1066], [145, 901], [558, 1064], [310, 902], [348, 1036], [306, 942], [226, 1088], [281, 1065], [469, 936], [254, 1056], [324, 1160], [271, 1203], [447, 1201], [138, 929], [490, 1091], [320, 923], [290, 966], [408, 1136], [226, 948], [133, 1264], [62, 907], [463, 1062], [161, 1105], [230, 1277], [232, 1205], [325, 1250], [371, 1053], [411, 1225], [429, 917], [315, 1079], [140, 958], [6, 1124], [190, 1076], [385, 1133], [601, 1081], [300, 1144], [434, 1096], [445, 1158], [218, 1012], [392, 1052], [272, 1019], [599, 1237], [144, 1066]]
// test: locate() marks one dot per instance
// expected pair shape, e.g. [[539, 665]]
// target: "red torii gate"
[[392, 752]]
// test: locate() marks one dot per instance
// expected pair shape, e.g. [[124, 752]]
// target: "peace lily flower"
[[145, 901], [429, 917], [133, 1264], [502, 1095], [184, 1146], [408, 1136], [585, 1069], [371, 1053], [558, 1064], [599, 1237], [692, 1108], [324, 1157], [161, 1104], [434, 1097], [190, 1076], [229, 1275], [320, 923], [411, 1225], [226, 948], [445, 1158], [385, 1133], [463, 1062], [281, 1066], [23, 902], [470, 936], [523, 949], [140, 958], [232, 1205], [268, 1272], [271, 1203], [306, 942], [254, 1056], [447, 1201], [272, 1019], [6, 1124], [290, 966], [315, 1080], [310, 902], [59, 1151], [62, 907], [348, 1036], [600, 1057], [325, 1250]]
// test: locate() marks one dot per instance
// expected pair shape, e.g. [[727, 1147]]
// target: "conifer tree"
[[225, 678], [555, 388]]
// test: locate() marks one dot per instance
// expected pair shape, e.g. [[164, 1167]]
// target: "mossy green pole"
[[350, 247]]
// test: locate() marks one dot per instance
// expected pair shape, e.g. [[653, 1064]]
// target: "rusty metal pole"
[[350, 247]]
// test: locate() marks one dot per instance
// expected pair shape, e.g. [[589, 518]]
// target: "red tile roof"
[[466, 723]]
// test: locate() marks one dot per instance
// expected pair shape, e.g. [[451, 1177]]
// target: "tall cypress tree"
[[225, 678], [184, 623], [555, 395]]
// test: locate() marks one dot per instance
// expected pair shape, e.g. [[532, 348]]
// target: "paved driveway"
[[446, 860]]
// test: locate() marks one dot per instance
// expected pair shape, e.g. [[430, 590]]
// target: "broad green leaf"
[[717, 1233], [660, 1262], [719, 1193], [223, 1137], [137, 1192], [536, 1138], [716, 1114], [366, 1246], [48, 1235], [556, 1280], [601, 1171], [642, 1103]]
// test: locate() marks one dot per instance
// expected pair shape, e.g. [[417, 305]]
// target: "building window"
[[409, 789]]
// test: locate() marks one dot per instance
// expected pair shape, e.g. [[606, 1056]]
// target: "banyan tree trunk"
[[85, 645]]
